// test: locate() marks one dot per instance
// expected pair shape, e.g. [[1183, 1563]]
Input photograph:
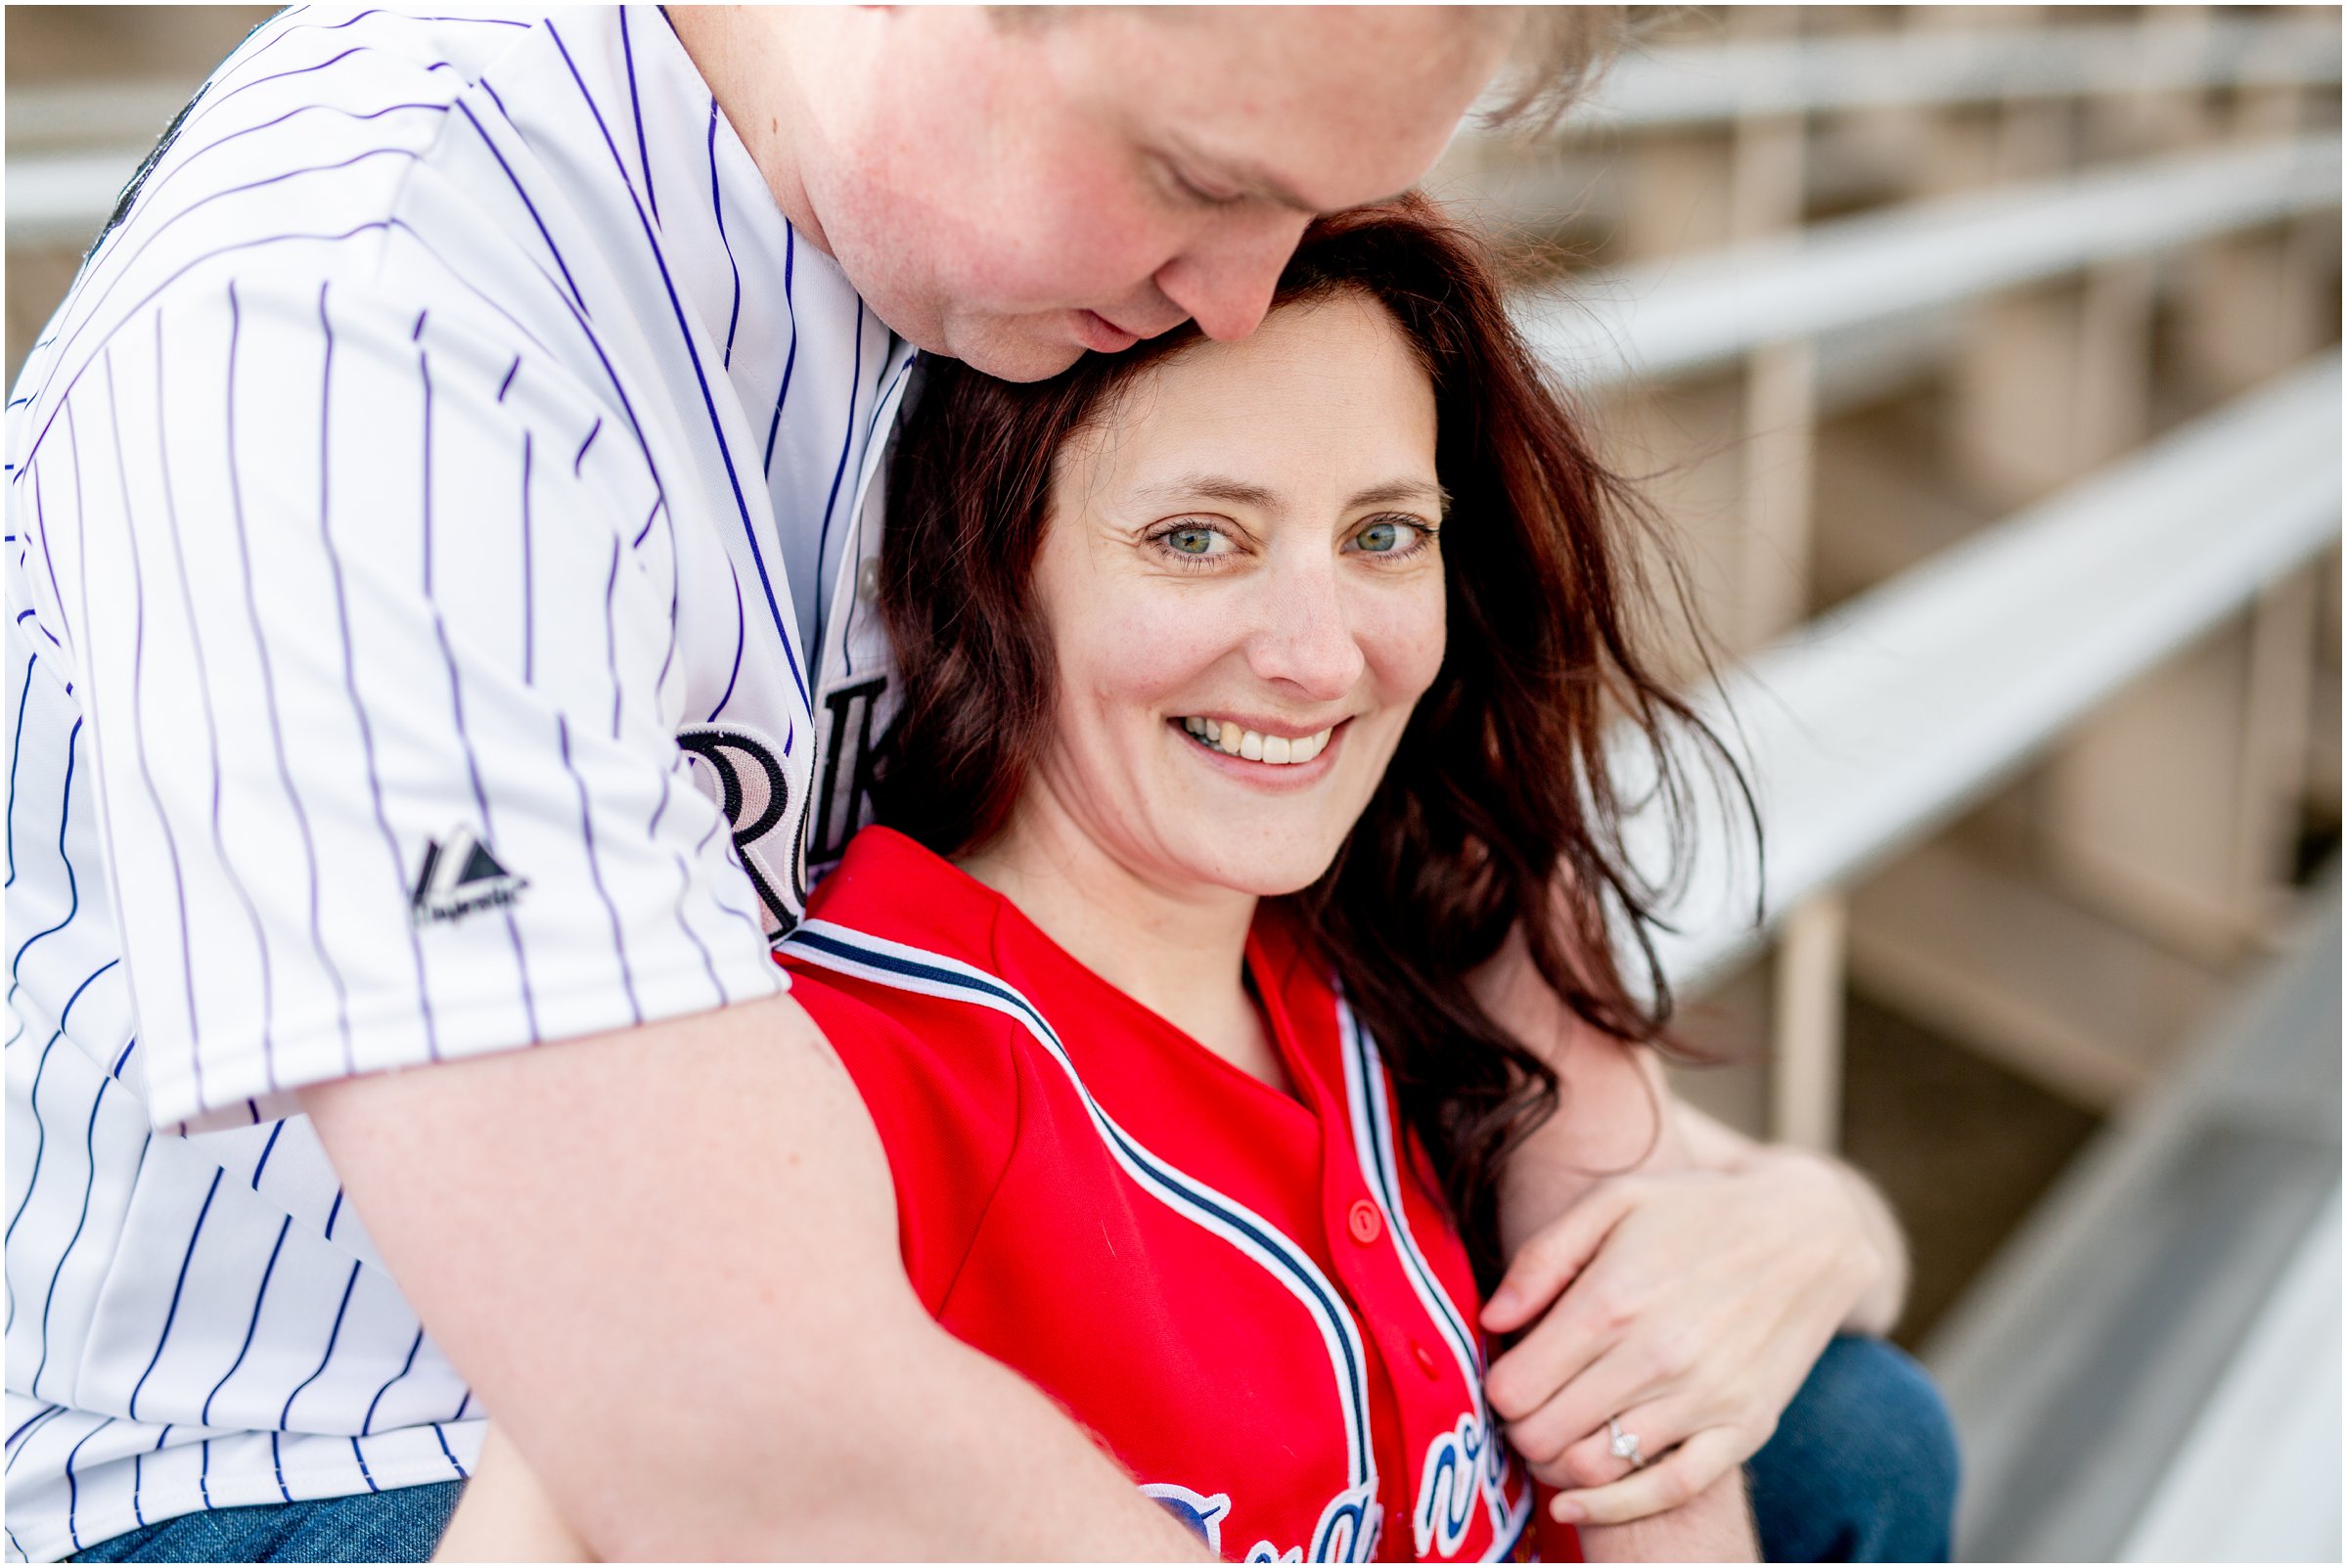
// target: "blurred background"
[[1983, 365]]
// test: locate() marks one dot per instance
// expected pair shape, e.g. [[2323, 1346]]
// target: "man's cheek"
[[1094, 240]]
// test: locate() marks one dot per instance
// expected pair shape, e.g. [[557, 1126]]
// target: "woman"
[[1253, 699]]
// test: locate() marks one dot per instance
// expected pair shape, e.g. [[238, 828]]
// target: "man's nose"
[[1306, 642], [1224, 279]]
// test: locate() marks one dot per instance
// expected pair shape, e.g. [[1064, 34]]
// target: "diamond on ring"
[[1625, 1444]]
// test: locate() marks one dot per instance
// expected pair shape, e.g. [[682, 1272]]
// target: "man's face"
[[1014, 192]]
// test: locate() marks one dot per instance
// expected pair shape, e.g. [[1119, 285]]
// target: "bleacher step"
[[2163, 1247]]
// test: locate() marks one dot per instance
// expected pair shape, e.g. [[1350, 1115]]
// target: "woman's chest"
[[1254, 1304]]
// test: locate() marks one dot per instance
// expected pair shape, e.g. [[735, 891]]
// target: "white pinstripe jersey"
[[434, 524]]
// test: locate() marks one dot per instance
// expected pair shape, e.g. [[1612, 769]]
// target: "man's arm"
[[1663, 1271], [1617, 1116], [1712, 1145], [666, 1258]]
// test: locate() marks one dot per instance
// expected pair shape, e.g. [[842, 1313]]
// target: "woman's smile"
[[1272, 755]]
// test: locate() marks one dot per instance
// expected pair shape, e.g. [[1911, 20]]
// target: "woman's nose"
[[1305, 640]]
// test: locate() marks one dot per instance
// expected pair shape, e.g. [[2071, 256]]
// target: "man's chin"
[[1023, 348]]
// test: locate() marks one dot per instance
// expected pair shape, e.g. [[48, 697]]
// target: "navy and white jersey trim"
[[1476, 1464], [447, 439]]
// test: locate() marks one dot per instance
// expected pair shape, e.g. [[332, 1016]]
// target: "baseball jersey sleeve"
[[942, 1087], [379, 654]]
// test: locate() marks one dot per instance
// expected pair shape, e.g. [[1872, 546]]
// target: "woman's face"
[[1244, 596]]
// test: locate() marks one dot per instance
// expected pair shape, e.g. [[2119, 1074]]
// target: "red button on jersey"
[[1425, 1359], [1363, 1222]]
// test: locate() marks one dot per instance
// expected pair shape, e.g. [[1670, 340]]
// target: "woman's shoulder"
[[881, 965], [892, 891], [894, 943]]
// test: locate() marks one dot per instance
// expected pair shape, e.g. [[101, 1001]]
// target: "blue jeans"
[[403, 1525], [1863, 1467]]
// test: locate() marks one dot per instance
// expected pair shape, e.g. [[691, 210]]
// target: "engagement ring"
[[1625, 1444]]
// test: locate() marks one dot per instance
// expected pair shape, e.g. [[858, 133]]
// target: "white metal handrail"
[[1877, 723], [1697, 85], [1697, 312]]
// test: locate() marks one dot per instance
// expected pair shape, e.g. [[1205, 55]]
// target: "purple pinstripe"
[[717, 208], [586, 827], [261, 645], [41, 1131], [171, 1314], [66, 398], [684, 331], [285, 1419], [41, 1148], [156, 185], [456, 704], [333, 561], [855, 604], [366, 1426], [138, 677], [774, 426], [72, 1486], [90, 1154], [576, 298], [848, 444], [71, 882], [627, 55], [16, 751], [259, 1296], [204, 687]]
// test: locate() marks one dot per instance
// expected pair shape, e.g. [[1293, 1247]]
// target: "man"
[[441, 513]]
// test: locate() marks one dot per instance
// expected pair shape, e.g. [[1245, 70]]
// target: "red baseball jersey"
[[1255, 1301]]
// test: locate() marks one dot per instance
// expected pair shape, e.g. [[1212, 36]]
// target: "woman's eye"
[[1192, 541], [1390, 536]]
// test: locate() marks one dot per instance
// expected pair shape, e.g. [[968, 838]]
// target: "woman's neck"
[[1179, 951]]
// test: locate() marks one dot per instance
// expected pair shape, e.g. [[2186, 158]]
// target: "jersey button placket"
[[1364, 1222]]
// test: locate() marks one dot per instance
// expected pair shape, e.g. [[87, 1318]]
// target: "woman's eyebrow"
[[1400, 492], [1208, 487], [1244, 493]]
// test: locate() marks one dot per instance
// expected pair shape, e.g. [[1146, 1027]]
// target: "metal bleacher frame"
[[1872, 725], [1694, 314], [1706, 84], [2199, 1237]]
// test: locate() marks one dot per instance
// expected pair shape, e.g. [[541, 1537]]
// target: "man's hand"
[[1688, 1305], [666, 1259], [1682, 1278]]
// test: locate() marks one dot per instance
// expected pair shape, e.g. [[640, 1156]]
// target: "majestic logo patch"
[[460, 878]]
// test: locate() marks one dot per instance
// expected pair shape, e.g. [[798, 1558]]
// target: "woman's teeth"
[[1275, 749]]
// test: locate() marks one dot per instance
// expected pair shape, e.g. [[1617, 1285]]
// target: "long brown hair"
[[1498, 809]]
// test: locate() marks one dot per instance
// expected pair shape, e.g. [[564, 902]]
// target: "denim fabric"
[[1863, 1467], [403, 1524]]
